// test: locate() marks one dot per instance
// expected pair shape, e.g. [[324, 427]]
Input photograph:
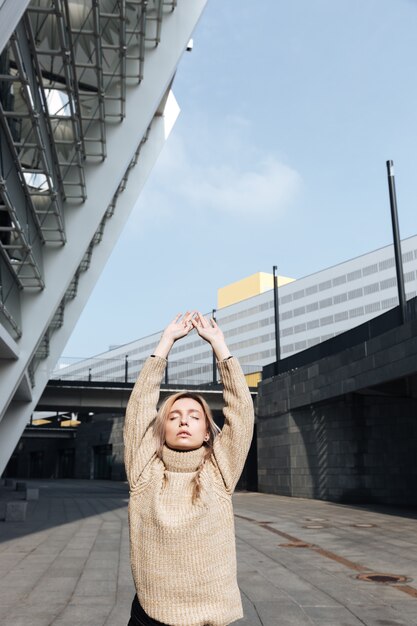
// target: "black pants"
[[138, 617]]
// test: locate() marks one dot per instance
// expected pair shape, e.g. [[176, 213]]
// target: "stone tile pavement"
[[68, 563]]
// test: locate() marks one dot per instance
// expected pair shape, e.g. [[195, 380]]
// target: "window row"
[[344, 297], [349, 277], [373, 307]]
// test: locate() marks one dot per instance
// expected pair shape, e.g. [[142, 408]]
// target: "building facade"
[[311, 310]]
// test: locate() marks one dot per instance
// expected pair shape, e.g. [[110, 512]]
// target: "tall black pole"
[[213, 314], [276, 311], [397, 241]]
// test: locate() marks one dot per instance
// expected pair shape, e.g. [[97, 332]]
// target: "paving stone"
[[279, 613], [251, 617], [77, 615], [72, 574], [332, 616], [257, 587], [119, 615]]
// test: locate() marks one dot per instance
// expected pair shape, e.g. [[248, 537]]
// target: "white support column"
[[18, 413], [82, 222], [102, 181], [9, 349], [11, 12]]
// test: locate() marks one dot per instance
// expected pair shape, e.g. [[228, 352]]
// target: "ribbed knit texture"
[[183, 556]]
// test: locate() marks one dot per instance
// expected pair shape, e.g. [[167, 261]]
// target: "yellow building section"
[[70, 423], [40, 422], [254, 379], [247, 287]]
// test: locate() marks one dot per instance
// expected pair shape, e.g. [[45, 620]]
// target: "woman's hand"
[[210, 332], [207, 329], [179, 327], [175, 330]]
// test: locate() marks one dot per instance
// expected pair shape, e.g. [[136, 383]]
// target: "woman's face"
[[186, 425]]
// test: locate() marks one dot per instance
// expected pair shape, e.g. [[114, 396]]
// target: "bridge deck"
[[83, 396]]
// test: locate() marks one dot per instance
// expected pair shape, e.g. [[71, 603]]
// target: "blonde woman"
[[182, 472]]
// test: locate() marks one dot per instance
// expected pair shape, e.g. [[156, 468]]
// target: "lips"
[[184, 432]]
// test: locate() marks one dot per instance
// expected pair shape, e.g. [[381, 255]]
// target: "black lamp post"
[[276, 312], [213, 314], [397, 241]]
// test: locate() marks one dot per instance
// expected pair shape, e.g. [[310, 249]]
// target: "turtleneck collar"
[[182, 460]]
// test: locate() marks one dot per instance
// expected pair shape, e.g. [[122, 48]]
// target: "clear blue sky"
[[289, 111]]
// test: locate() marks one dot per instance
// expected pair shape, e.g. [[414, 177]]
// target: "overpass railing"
[[126, 370]]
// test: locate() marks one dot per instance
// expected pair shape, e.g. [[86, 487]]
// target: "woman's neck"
[[182, 460]]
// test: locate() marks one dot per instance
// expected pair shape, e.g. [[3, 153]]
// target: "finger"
[[185, 317], [189, 315], [203, 320], [176, 318]]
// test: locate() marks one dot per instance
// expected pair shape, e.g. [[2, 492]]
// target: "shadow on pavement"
[[62, 501]]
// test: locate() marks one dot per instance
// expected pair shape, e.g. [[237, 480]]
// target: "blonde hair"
[[212, 428]]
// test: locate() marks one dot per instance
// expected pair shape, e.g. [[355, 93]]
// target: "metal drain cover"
[[363, 525], [313, 526], [388, 579]]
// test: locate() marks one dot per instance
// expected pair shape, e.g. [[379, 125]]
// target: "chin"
[[184, 445]]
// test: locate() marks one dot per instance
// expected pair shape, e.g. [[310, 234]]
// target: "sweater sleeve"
[[231, 446], [141, 410]]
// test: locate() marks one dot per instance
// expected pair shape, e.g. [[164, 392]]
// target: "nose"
[[184, 419]]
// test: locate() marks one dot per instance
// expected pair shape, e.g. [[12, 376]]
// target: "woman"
[[182, 473]]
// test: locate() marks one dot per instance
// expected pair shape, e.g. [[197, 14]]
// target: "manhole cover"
[[295, 544], [363, 525], [388, 579], [313, 526]]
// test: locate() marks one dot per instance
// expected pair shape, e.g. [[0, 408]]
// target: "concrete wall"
[[315, 441], [39, 457], [357, 449], [52, 456], [107, 429], [104, 429]]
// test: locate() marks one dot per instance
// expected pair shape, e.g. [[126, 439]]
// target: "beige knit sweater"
[[183, 556]]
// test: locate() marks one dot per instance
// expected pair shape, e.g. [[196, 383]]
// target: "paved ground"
[[68, 564]]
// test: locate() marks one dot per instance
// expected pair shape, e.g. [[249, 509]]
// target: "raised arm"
[[141, 410], [232, 445], [139, 442]]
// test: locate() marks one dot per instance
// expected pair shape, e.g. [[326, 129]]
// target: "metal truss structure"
[[84, 100]]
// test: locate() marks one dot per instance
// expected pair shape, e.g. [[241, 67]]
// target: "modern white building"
[[85, 99], [312, 309]]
